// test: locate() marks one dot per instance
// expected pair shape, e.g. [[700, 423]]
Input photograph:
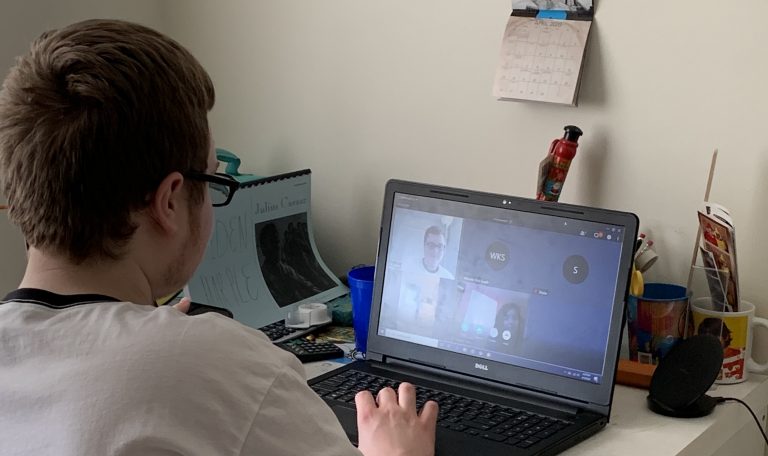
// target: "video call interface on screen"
[[519, 288]]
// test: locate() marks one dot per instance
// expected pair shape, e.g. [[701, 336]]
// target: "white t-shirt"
[[80, 376], [415, 265]]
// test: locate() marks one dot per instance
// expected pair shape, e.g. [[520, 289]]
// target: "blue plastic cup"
[[656, 321], [361, 291]]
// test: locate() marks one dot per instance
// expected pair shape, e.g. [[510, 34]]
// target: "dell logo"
[[481, 366]]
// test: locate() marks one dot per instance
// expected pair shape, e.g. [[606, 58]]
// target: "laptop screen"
[[520, 288]]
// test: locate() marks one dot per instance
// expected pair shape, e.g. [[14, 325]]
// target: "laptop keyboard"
[[489, 421]]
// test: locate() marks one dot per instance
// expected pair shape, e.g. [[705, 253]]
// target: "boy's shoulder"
[[215, 339]]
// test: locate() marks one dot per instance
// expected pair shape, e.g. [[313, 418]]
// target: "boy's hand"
[[183, 305], [390, 426]]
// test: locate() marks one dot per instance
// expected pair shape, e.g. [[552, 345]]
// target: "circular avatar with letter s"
[[575, 269]]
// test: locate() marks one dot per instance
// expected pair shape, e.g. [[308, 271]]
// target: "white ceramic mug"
[[735, 330]]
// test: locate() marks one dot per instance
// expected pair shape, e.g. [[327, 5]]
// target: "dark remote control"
[[307, 350]]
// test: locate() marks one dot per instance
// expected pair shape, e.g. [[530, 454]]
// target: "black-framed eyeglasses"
[[221, 187], [434, 245]]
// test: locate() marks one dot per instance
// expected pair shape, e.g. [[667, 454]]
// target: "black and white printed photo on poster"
[[288, 264], [566, 5]]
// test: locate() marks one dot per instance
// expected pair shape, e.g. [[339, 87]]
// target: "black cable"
[[759, 426]]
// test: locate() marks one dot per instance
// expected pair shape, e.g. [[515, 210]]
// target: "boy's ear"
[[165, 206]]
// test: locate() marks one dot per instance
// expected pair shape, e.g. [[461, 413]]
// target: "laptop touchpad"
[[348, 419]]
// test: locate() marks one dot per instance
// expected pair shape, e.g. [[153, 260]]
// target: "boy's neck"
[[121, 279]]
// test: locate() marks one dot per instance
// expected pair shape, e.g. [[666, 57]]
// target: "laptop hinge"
[[373, 356], [484, 386]]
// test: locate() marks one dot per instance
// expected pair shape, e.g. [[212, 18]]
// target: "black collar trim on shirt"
[[53, 300]]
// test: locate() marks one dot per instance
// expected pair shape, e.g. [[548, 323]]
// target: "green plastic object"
[[232, 162], [341, 310]]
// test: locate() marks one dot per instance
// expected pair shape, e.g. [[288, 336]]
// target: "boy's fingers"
[[183, 305], [428, 414], [406, 396]]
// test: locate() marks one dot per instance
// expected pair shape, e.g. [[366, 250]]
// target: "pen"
[[646, 246], [638, 244]]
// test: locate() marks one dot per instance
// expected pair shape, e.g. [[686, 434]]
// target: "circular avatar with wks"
[[497, 255]]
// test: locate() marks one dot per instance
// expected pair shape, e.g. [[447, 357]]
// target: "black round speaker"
[[684, 375]]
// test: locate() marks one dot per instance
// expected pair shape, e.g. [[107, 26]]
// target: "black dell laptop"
[[506, 311]]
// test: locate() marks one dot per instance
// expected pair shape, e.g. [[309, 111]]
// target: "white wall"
[[365, 91], [20, 23]]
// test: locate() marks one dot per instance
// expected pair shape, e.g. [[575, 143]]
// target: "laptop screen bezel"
[[550, 384]]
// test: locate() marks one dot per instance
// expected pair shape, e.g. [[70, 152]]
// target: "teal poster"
[[262, 260]]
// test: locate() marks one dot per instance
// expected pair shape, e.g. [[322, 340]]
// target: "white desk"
[[635, 430]]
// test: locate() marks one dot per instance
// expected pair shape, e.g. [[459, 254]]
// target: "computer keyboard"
[[308, 351], [278, 332], [490, 421]]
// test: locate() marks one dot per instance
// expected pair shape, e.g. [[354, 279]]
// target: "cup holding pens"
[[645, 255], [656, 321], [645, 259]]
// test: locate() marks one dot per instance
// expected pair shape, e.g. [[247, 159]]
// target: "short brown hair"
[[435, 231], [92, 119]]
